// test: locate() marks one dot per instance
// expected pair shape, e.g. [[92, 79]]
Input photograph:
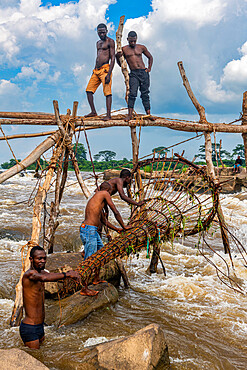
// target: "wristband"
[[64, 274]]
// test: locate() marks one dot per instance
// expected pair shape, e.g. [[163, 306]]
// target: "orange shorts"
[[97, 78]]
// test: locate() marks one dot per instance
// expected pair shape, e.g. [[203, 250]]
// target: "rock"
[[76, 307], [58, 262], [144, 350], [15, 358]]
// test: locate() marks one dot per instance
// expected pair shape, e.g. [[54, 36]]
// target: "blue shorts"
[[90, 239], [29, 333]]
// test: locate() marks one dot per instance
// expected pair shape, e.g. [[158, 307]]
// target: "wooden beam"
[[244, 123], [31, 158]]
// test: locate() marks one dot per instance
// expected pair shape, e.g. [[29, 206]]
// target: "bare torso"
[[103, 52], [133, 56], [115, 182], [33, 300], [94, 208]]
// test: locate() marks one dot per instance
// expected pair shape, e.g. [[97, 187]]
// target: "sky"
[[47, 52]]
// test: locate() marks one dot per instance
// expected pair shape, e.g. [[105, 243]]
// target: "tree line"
[[105, 159]]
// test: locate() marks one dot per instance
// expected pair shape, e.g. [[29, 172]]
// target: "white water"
[[204, 321]]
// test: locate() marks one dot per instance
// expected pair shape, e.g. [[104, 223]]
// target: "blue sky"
[[47, 51]]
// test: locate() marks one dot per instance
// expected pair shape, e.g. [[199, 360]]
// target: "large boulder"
[[76, 307], [62, 262], [144, 350], [17, 359]]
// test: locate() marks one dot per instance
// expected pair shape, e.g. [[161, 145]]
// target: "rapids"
[[204, 321]]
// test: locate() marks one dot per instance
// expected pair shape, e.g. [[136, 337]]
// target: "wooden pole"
[[244, 122], [208, 154], [36, 227], [31, 158], [68, 143], [124, 68]]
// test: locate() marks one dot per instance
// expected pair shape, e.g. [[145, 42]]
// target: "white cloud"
[[198, 12]]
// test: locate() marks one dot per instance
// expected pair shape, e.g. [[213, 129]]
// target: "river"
[[204, 321]]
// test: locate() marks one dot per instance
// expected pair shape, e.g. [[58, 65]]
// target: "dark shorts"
[[29, 333], [90, 239]]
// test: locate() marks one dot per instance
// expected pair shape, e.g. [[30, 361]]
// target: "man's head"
[[105, 186], [126, 176], [38, 258], [132, 37], [102, 31]]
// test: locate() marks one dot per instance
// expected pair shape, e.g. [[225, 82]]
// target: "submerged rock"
[[144, 350], [62, 262], [76, 307], [15, 358]]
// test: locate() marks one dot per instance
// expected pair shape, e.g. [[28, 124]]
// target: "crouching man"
[[32, 326]]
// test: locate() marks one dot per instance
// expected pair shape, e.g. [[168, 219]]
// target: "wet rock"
[[76, 307], [15, 358], [144, 350], [62, 262]]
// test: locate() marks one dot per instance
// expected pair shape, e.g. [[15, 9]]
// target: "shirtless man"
[[139, 74], [102, 71], [32, 326], [119, 183], [93, 219]]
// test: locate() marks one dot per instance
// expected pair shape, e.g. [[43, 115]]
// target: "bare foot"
[[106, 118], [96, 282], [128, 118], [88, 292], [92, 114], [151, 118]]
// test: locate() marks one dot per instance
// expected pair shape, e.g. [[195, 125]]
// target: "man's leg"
[[89, 238], [34, 344], [108, 108], [133, 84], [144, 88], [92, 86], [93, 112], [96, 279]]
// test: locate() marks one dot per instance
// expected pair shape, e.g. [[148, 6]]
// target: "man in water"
[[139, 74], [119, 183], [93, 219], [32, 326], [102, 72], [238, 163]]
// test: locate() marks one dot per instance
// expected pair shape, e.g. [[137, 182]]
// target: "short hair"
[[101, 25], [132, 34], [105, 186], [125, 173], [34, 249]]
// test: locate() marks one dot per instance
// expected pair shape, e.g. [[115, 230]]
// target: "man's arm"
[[53, 276], [150, 58], [112, 56], [114, 210], [118, 55], [125, 198]]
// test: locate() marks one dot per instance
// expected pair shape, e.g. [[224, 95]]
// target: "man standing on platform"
[[102, 72], [139, 74]]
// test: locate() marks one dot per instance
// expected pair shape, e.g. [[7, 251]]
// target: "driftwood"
[[244, 123], [36, 227], [31, 158], [68, 143], [208, 155], [122, 60]]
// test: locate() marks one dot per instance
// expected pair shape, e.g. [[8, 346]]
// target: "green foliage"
[[11, 163], [223, 153], [238, 150], [160, 151], [106, 155], [80, 152]]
